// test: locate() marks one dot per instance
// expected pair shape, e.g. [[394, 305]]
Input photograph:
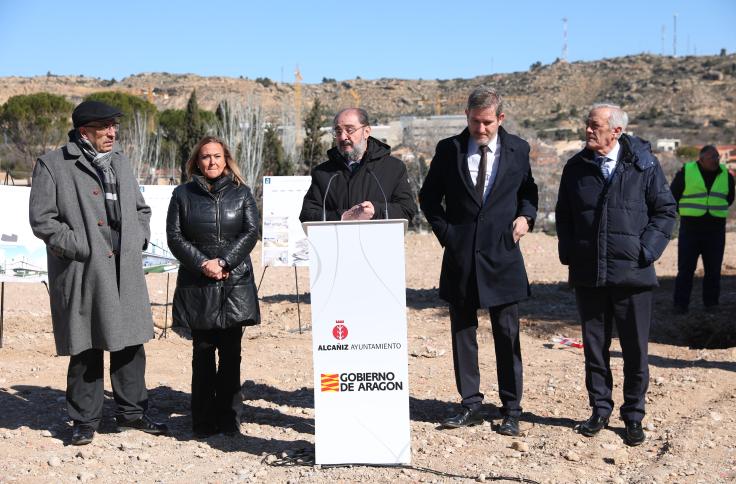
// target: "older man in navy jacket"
[[490, 201], [614, 217]]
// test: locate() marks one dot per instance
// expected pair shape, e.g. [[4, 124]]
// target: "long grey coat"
[[67, 211]]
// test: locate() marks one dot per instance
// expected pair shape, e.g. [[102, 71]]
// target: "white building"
[[667, 144], [428, 130]]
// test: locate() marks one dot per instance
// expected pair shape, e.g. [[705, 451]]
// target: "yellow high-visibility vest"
[[696, 201]]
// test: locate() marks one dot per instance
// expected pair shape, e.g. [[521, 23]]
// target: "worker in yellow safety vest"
[[703, 189]]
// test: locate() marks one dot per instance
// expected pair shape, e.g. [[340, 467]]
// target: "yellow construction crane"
[[298, 104], [356, 97]]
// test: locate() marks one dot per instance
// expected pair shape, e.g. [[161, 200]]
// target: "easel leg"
[[166, 310], [258, 289], [298, 309], [2, 311]]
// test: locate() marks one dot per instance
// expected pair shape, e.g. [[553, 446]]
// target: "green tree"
[[36, 123], [264, 81], [172, 125], [688, 152], [313, 148], [137, 128], [129, 105], [274, 157], [209, 121], [193, 132]]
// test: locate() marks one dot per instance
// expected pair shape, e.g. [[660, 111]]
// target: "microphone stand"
[[385, 200], [324, 199]]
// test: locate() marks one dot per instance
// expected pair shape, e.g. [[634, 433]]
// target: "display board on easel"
[[23, 255], [284, 241], [157, 257]]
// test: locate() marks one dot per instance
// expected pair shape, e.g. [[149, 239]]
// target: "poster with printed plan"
[[23, 256], [157, 257], [284, 243], [359, 342]]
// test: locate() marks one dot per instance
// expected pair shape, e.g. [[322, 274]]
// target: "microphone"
[[324, 199], [385, 200]]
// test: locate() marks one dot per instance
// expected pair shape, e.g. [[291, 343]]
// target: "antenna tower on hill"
[[674, 36], [663, 32]]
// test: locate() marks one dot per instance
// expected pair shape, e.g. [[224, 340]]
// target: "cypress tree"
[[193, 132], [313, 149], [274, 157]]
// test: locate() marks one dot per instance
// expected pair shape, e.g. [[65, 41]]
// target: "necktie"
[[480, 182], [601, 160]]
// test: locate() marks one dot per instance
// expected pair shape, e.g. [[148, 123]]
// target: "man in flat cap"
[[87, 207]]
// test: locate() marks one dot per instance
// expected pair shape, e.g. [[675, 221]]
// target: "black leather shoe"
[[144, 424], [712, 309], [634, 433], [679, 309], [593, 425], [509, 426], [82, 434], [466, 418], [205, 431], [231, 431]]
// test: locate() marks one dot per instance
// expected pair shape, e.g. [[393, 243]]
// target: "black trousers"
[[216, 400], [505, 328], [630, 309], [690, 246], [85, 390]]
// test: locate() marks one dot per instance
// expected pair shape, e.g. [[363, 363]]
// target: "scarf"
[[103, 164]]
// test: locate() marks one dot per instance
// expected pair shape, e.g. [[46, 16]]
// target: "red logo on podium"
[[340, 331]]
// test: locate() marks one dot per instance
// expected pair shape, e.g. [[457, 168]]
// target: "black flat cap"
[[91, 111]]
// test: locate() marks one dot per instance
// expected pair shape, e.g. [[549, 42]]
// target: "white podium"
[[361, 378]]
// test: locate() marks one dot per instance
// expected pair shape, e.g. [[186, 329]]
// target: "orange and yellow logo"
[[330, 382]]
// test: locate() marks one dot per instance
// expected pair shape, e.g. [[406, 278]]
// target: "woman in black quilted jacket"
[[211, 227]]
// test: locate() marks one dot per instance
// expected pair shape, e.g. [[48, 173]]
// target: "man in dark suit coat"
[[490, 202]]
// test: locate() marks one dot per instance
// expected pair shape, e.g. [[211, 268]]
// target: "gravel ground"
[[691, 420]]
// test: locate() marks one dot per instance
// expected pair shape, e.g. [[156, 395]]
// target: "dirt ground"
[[690, 422]]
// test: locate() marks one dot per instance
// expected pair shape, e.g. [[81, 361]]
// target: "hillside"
[[691, 98]]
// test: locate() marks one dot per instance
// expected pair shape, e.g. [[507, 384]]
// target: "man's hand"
[[211, 268], [521, 227], [361, 211]]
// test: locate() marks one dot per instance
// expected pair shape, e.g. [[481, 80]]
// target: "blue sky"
[[344, 39]]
